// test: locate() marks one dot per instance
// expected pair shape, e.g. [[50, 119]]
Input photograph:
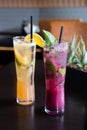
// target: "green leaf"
[[84, 52], [50, 66], [77, 61], [49, 38], [72, 47], [73, 43], [56, 54], [77, 52], [84, 60], [82, 44]]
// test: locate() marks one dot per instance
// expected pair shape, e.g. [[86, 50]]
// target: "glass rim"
[[17, 37], [21, 39]]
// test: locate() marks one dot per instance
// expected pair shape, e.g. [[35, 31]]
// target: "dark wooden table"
[[17, 117]]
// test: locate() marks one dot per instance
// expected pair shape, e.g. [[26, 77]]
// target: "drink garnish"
[[21, 58], [50, 66], [62, 71], [38, 39], [56, 54], [17, 62], [49, 38]]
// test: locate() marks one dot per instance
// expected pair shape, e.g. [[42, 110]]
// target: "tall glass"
[[25, 67], [55, 59]]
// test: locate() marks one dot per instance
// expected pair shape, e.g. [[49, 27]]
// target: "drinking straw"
[[31, 27], [61, 32]]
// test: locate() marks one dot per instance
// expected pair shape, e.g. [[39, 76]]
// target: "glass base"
[[58, 112], [24, 102]]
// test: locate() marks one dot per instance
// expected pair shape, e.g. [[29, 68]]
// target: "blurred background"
[[12, 12], [15, 14]]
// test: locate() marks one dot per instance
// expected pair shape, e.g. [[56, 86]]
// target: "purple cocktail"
[[55, 59]]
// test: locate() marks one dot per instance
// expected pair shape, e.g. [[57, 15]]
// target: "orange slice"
[[38, 39]]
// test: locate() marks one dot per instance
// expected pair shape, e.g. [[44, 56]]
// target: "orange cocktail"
[[25, 94], [25, 50], [25, 65]]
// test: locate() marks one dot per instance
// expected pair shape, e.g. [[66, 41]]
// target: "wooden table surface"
[[17, 117]]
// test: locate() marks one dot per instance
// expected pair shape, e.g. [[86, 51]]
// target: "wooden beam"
[[39, 3], [11, 49]]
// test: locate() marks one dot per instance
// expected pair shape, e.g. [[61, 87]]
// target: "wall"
[[11, 18], [75, 13]]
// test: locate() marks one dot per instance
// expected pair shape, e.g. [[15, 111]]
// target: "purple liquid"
[[55, 67], [54, 97]]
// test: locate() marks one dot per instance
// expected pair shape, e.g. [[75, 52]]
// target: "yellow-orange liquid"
[[25, 92], [25, 64]]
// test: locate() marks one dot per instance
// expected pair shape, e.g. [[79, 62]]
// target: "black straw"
[[31, 29], [61, 32]]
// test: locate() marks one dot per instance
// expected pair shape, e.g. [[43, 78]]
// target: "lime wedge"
[[62, 71], [49, 38]]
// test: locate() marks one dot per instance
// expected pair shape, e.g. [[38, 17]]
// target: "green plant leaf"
[[84, 60], [77, 61], [72, 47], [77, 53]]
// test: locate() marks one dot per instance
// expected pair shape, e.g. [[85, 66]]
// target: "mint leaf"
[[56, 54], [50, 66], [49, 38]]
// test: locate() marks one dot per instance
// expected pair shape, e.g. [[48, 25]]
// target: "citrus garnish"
[[62, 71], [38, 39], [49, 38], [22, 57]]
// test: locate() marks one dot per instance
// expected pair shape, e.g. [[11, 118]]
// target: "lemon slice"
[[38, 39], [22, 58]]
